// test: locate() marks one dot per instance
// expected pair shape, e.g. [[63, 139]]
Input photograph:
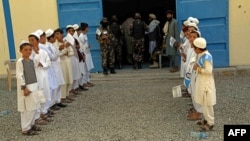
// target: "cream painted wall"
[[239, 30], [3, 41], [30, 15]]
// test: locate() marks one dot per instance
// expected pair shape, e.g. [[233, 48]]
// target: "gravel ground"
[[132, 106]]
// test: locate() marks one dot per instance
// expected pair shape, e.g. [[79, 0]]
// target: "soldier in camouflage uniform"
[[116, 31], [106, 40], [137, 31]]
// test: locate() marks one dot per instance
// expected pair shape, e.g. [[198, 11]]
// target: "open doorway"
[[122, 7]]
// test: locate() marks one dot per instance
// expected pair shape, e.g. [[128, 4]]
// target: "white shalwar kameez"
[[184, 48], [190, 75], [66, 67], [82, 64], [57, 79], [205, 92], [74, 61], [88, 57], [26, 105], [42, 76]]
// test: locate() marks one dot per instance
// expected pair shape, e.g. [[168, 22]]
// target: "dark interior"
[[123, 7]]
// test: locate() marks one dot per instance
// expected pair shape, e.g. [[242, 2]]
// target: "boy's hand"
[[195, 66], [61, 47], [40, 64], [26, 92], [67, 44]]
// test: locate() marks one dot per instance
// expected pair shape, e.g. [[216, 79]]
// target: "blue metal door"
[[77, 11], [213, 24]]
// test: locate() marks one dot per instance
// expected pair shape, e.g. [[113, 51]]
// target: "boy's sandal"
[[36, 128], [30, 133], [66, 101], [49, 115], [191, 110], [48, 119], [51, 112], [40, 121], [202, 122], [206, 127]]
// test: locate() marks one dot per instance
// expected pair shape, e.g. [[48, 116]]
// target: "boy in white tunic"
[[189, 81], [74, 59], [26, 88], [56, 66], [51, 73], [205, 92], [86, 50], [82, 57], [66, 52], [42, 64]]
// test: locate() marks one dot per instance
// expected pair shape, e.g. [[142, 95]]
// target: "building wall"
[[239, 29], [30, 15], [3, 41]]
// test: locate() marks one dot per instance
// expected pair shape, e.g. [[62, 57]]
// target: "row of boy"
[[197, 73], [51, 72]]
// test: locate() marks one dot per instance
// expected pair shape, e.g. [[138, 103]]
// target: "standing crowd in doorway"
[[54, 69]]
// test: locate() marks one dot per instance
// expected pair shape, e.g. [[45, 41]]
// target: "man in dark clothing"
[[115, 29], [154, 36], [137, 31], [171, 31]]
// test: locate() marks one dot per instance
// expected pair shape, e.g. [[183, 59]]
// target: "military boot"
[[135, 65], [139, 65], [112, 71], [105, 71], [120, 65]]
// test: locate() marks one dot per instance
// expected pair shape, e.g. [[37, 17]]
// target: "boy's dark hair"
[[53, 35], [59, 30], [23, 45], [84, 26], [44, 34], [34, 37], [69, 28], [194, 31]]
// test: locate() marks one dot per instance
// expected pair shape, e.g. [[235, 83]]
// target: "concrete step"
[[157, 73]]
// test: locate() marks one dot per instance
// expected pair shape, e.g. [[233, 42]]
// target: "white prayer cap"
[[186, 23], [35, 34], [23, 42], [69, 26], [152, 16], [190, 18], [195, 20], [49, 32], [193, 25], [75, 26], [198, 32], [200, 43], [39, 32]]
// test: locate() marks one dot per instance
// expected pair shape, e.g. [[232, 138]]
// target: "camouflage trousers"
[[138, 49], [118, 51], [108, 56]]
